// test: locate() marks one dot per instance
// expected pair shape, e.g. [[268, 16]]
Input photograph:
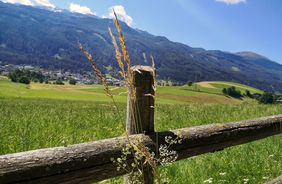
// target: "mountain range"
[[49, 39]]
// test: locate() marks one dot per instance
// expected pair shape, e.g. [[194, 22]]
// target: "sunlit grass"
[[39, 116], [28, 124]]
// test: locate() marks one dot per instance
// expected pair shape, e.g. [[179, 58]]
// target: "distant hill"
[[45, 38], [216, 87]]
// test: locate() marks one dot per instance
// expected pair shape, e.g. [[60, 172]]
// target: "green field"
[[165, 95], [39, 116]]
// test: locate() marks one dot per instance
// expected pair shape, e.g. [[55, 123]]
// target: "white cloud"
[[77, 8], [231, 1], [44, 3], [31, 2], [24, 2], [121, 13]]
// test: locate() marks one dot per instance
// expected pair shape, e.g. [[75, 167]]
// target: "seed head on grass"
[[125, 52], [118, 55], [99, 74], [124, 63]]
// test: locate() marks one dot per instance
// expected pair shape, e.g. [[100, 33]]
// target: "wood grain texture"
[[140, 110], [140, 105], [90, 162]]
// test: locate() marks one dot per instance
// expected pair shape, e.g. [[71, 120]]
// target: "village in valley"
[[86, 77]]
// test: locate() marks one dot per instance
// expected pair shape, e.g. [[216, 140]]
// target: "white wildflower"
[[208, 180], [222, 173], [245, 180]]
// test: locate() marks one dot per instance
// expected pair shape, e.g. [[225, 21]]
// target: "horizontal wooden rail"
[[90, 162]]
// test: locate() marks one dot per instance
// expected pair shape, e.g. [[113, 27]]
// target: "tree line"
[[26, 76], [265, 98]]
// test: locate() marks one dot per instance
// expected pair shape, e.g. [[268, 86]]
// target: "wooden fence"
[[91, 162]]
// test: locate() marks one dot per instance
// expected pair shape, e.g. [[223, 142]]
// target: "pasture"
[[165, 94], [40, 115]]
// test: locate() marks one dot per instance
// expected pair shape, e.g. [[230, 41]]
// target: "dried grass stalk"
[[125, 52], [118, 55], [99, 74]]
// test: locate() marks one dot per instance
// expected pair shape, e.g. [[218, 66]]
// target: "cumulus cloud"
[[44, 3], [77, 8], [24, 2], [231, 1], [121, 13], [31, 2]]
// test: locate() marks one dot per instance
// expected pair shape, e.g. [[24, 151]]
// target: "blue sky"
[[229, 25]]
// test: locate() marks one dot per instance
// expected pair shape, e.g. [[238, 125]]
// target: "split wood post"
[[140, 108]]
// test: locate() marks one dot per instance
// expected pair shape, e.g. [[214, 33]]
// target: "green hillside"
[[202, 92], [216, 87]]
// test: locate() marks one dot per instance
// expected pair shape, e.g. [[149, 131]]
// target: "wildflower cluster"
[[143, 157], [166, 155]]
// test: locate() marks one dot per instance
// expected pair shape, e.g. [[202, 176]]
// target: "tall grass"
[[27, 124]]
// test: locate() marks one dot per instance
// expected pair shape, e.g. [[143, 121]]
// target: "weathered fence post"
[[140, 108]]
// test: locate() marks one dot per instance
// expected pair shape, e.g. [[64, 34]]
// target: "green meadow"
[[40, 115], [165, 95]]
